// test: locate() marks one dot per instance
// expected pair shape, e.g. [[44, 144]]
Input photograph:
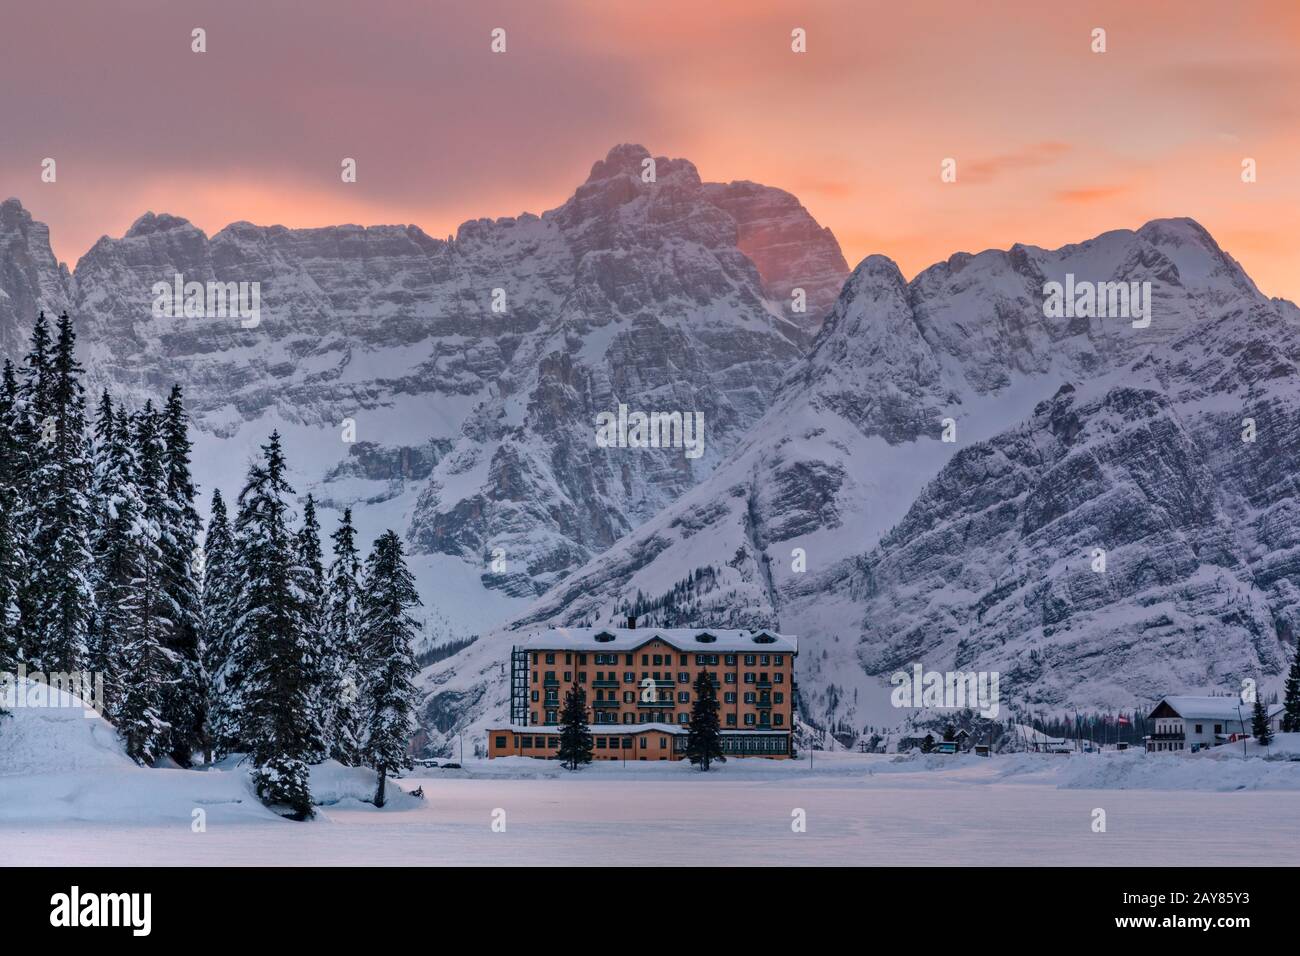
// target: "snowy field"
[[69, 796]]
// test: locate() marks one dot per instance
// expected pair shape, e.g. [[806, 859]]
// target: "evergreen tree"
[[146, 657], [185, 701], [1259, 723], [704, 736], [575, 736], [117, 511], [218, 602], [311, 583], [1291, 696], [12, 545], [272, 654], [58, 545], [344, 710], [387, 634]]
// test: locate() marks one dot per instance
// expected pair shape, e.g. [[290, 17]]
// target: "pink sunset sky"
[[1053, 143]]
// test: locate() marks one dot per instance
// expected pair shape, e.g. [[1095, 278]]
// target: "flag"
[[1123, 720]]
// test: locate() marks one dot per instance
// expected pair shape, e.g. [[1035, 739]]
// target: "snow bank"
[[58, 737], [59, 766]]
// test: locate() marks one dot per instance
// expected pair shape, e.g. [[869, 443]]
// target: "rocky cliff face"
[[846, 518], [470, 369]]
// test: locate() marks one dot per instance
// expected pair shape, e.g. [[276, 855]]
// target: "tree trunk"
[[379, 796]]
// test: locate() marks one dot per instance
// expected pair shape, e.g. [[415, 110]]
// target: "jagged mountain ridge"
[[474, 428], [975, 554]]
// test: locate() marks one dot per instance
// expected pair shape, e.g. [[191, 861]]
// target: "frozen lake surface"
[[860, 810]]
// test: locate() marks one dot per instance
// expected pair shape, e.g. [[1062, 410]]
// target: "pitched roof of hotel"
[[697, 640], [1215, 708]]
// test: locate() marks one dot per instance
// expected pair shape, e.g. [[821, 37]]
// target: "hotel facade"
[[640, 690]]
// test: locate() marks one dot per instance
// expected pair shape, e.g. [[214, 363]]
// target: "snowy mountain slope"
[[474, 428], [975, 552]]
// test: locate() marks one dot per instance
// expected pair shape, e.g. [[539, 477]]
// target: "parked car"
[[451, 766]]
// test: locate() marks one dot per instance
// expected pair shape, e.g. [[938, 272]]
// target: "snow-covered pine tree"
[[387, 635], [186, 698], [148, 663], [1291, 696], [219, 593], [29, 415], [272, 666], [345, 705], [117, 511], [12, 546], [58, 543], [311, 583], [575, 735], [704, 735]]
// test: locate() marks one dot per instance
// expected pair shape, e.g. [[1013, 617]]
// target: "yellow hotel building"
[[639, 690]]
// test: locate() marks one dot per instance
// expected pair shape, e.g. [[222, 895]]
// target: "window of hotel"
[[778, 678], [568, 677], [552, 741], [525, 741], [550, 716], [600, 743], [778, 698], [777, 720], [731, 677], [645, 659], [535, 698], [582, 658], [683, 678], [765, 659], [778, 659], [1218, 728], [534, 657], [627, 718], [750, 697], [749, 720], [627, 743], [663, 743], [749, 677], [629, 677], [730, 697], [731, 720], [501, 742], [644, 743], [582, 677], [681, 659], [1198, 729], [550, 658], [535, 717], [749, 660], [683, 717], [604, 637]]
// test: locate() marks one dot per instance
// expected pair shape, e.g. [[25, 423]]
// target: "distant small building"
[[1191, 723]]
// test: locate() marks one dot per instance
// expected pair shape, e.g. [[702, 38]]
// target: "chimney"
[[631, 622]]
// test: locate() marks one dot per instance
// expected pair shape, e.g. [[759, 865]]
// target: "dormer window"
[[705, 638], [604, 637], [764, 639]]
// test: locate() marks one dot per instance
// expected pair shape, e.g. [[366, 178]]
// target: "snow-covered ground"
[[69, 796]]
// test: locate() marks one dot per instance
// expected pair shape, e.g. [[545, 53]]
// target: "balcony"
[[604, 683], [1166, 736], [763, 704], [604, 705], [550, 682], [764, 684]]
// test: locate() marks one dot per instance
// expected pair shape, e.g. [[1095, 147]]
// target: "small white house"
[[1187, 723]]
